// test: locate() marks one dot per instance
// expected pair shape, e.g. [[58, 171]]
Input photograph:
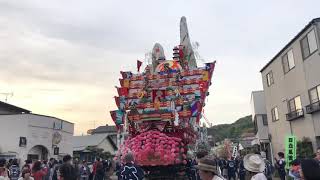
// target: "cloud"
[[62, 58]]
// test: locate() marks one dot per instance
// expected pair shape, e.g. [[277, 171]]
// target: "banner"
[[205, 76], [122, 91], [291, 150], [235, 152], [158, 94], [126, 75], [195, 108], [117, 117], [122, 100], [124, 82], [139, 63], [117, 99], [210, 66], [203, 86]]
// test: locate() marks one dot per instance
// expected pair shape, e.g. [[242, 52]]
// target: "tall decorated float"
[[161, 107]]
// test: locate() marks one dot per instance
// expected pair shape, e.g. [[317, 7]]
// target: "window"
[[309, 44], [274, 113], [294, 104], [288, 61], [265, 120], [270, 78], [314, 94]]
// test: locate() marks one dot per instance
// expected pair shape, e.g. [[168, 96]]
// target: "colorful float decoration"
[[161, 107]]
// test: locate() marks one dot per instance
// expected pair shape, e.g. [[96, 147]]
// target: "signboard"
[[57, 125], [291, 147], [56, 151], [22, 142]]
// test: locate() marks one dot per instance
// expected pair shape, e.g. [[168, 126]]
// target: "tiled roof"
[[105, 129], [80, 143]]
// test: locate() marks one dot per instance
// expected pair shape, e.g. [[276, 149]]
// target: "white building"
[[259, 116], [105, 141], [24, 135], [260, 121]]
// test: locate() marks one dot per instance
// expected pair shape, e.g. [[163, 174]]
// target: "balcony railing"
[[295, 114], [314, 107]]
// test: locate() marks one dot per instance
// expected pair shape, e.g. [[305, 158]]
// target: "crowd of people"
[[202, 167], [67, 169], [256, 167]]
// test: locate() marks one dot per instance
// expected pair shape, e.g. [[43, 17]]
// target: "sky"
[[63, 58]]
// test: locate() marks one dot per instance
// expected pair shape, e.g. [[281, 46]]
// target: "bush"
[[304, 148]]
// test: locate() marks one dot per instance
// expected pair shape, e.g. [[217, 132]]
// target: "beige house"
[[291, 82]]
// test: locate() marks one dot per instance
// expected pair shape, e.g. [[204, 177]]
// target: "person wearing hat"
[[130, 171], [255, 165], [208, 169]]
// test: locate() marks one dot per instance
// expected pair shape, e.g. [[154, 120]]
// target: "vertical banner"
[[205, 76], [126, 83], [139, 63], [235, 151], [126, 75], [117, 117], [203, 86], [291, 150], [122, 91], [117, 99]]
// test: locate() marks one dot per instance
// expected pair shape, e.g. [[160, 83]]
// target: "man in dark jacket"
[[130, 171], [242, 170], [231, 166]]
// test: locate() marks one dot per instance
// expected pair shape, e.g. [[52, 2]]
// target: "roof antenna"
[[7, 95]]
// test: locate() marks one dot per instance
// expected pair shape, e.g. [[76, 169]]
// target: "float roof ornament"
[[185, 41], [157, 55]]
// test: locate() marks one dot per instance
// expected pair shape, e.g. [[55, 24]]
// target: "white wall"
[[263, 131], [258, 103], [37, 129], [105, 144]]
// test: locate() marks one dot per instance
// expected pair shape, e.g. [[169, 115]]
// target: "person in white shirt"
[[255, 165], [208, 169]]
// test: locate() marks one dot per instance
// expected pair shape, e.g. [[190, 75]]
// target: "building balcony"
[[314, 107], [295, 114]]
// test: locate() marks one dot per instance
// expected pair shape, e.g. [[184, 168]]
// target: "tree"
[[99, 152], [304, 148]]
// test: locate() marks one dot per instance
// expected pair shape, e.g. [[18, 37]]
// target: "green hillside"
[[234, 130]]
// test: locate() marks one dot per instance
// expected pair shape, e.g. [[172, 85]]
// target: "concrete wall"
[[263, 130], [37, 129], [297, 81], [258, 105]]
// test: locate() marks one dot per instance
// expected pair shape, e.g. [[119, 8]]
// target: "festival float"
[[160, 108]]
